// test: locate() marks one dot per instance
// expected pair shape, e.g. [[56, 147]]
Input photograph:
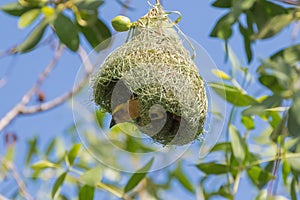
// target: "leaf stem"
[[291, 155], [111, 190], [236, 183]]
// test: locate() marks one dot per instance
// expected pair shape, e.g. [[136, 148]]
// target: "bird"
[[126, 112], [130, 111], [162, 125]]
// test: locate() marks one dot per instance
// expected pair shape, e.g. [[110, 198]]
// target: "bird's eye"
[[154, 116]]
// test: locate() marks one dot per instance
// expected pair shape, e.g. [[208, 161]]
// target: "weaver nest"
[[167, 95]]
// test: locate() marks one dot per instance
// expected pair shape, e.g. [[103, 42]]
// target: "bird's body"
[[126, 112]]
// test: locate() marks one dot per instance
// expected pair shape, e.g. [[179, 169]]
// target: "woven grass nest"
[[159, 73]]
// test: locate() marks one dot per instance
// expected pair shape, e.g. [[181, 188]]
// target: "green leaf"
[[73, 153], [100, 117], [294, 118], [286, 169], [28, 18], [294, 163], [97, 33], [183, 179], [136, 178], [237, 144], [223, 146], [43, 164], [247, 42], [32, 149], [15, 9], [262, 195], [274, 25], [213, 168], [223, 28], [259, 176], [232, 94], [66, 31], [235, 166], [248, 122], [50, 147], [290, 54], [133, 144], [243, 5], [225, 191], [263, 11], [261, 108], [33, 39], [62, 197], [86, 193], [10, 153], [92, 177], [293, 189], [88, 4], [279, 130], [57, 185], [222, 3], [271, 82]]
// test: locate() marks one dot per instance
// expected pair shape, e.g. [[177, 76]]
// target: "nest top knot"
[[153, 18]]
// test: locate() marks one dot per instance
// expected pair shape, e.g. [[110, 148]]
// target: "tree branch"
[[22, 108], [61, 99], [15, 111], [16, 176], [55, 102]]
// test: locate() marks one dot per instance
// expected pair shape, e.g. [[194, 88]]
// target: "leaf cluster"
[[66, 19], [256, 20]]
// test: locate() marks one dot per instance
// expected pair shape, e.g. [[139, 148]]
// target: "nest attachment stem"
[[157, 2]]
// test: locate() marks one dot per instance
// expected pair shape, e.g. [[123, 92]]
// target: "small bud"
[[48, 11], [41, 96], [10, 138], [121, 23]]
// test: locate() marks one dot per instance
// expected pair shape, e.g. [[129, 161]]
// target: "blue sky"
[[198, 20]]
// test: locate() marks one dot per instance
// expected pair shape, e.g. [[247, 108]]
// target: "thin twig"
[[274, 173], [18, 179], [287, 156], [8, 70], [61, 99], [85, 60], [291, 2], [55, 102], [15, 111]]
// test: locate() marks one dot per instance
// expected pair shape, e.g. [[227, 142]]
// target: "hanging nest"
[[167, 98]]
